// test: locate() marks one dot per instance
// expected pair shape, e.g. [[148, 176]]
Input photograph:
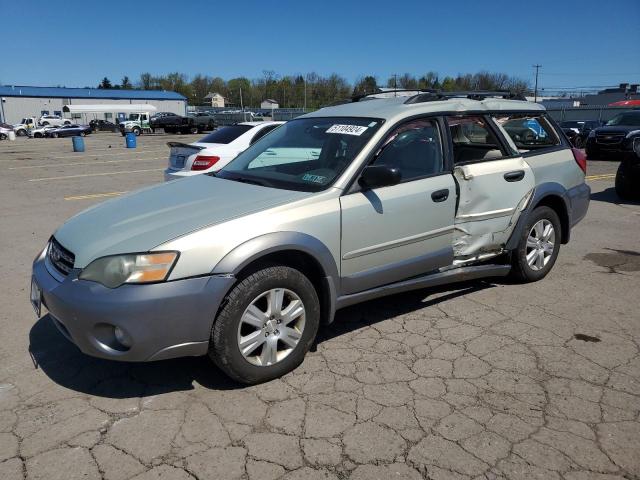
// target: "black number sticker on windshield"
[[347, 129]]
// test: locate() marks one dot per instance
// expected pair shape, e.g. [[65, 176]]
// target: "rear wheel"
[[578, 142], [267, 325], [54, 135], [538, 247]]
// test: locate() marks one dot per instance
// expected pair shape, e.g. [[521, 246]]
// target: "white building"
[[269, 104], [216, 99], [17, 102]]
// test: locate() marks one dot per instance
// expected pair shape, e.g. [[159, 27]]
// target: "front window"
[[134, 117], [629, 118], [306, 154]]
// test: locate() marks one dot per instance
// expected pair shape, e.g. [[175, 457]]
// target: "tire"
[[3, 136], [54, 135], [193, 130], [578, 142], [21, 133], [136, 131], [83, 134], [44, 124], [67, 123], [624, 184], [256, 291], [548, 247], [37, 135]]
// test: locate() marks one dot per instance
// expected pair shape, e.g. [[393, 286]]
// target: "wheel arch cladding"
[[554, 196], [294, 249]]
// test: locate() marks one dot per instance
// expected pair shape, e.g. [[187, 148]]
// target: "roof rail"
[[357, 98], [470, 94]]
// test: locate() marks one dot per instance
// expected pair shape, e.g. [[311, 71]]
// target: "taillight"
[[580, 158], [203, 162]]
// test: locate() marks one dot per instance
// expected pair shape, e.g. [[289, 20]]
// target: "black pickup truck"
[[195, 123]]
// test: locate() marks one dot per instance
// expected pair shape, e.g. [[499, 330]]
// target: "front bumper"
[[162, 320]]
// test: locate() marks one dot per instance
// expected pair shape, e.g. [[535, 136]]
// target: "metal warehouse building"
[[17, 102]]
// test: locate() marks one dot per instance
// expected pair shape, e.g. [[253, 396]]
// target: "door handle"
[[514, 176], [440, 195]]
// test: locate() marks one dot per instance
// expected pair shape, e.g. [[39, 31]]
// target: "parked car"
[[578, 130], [69, 131], [616, 137], [5, 129], [628, 174], [54, 120], [40, 132], [247, 263], [103, 125], [215, 150], [196, 123]]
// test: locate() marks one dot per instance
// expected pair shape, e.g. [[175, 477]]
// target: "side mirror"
[[375, 176]]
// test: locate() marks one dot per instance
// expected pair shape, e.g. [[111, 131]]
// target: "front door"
[[494, 187], [400, 231]]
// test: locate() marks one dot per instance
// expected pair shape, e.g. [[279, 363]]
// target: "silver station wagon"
[[339, 206]]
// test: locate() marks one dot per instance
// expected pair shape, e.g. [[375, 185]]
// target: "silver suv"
[[336, 207]]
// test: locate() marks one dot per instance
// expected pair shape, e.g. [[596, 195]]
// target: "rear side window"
[[473, 140], [529, 132], [226, 134]]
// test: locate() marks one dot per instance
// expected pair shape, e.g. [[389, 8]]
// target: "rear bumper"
[[579, 198], [163, 320]]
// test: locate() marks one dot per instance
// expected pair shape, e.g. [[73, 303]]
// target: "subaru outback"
[[339, 206]]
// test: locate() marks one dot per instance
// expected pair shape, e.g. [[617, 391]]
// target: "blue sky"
[[581, 43]]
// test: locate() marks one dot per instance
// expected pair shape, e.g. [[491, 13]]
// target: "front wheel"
[[538, 247], [136, 131], [267, 325], [21, 133]]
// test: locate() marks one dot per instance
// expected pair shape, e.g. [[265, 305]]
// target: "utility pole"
[[242, 106], [305, 93], [535, 91]]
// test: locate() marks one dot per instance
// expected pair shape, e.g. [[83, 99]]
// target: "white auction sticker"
[[347, 129]]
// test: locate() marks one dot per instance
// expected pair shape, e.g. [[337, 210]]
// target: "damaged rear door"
[[494, 187]]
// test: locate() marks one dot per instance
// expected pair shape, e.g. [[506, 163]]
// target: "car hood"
[[142, 220]]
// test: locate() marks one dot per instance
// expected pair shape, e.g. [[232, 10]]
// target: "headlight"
[[116, 270]]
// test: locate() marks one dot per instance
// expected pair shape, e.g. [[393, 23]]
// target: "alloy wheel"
[[540, 244], [271, 327]]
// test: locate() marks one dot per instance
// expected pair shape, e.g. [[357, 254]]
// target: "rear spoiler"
[[185, 145]]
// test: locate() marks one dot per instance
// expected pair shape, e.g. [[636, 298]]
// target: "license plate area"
[[36, 297], [179, 156]]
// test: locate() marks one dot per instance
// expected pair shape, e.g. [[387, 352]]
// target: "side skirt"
[[441, 278]]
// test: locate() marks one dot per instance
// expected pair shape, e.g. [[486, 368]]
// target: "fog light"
[[122, 337]]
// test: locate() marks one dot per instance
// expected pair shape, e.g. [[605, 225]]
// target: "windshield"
[[226, 134], [630, 118], [134, 116], [305, 154]]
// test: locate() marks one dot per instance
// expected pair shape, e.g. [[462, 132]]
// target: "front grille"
[[61, 258], [609, 138]]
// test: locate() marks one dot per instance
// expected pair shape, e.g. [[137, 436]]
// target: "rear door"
[[494, 186], [400, 231]]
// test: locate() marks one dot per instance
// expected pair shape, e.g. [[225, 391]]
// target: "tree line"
[[311, 90]]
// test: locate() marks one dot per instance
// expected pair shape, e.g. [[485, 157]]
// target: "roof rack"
[[430, 95], [470, 94]]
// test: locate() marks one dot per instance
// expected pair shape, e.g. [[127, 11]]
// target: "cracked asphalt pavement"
[[482, 380]]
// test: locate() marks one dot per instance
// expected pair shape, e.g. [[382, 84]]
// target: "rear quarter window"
[[529, 131], [226, 134]]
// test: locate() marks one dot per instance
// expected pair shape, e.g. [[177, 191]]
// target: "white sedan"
[[215, 150]]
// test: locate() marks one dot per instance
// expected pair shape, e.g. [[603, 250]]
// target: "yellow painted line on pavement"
[[600, 177], [50, 165], [94, 174], [94, 195]]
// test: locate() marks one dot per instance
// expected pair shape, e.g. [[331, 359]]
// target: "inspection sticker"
[[347, 129]]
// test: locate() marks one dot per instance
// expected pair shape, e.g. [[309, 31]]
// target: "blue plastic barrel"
[[78, 144], [131, 140]]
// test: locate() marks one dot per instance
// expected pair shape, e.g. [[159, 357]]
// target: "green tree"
[[365, 85], [105, 83], [126, 83]]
